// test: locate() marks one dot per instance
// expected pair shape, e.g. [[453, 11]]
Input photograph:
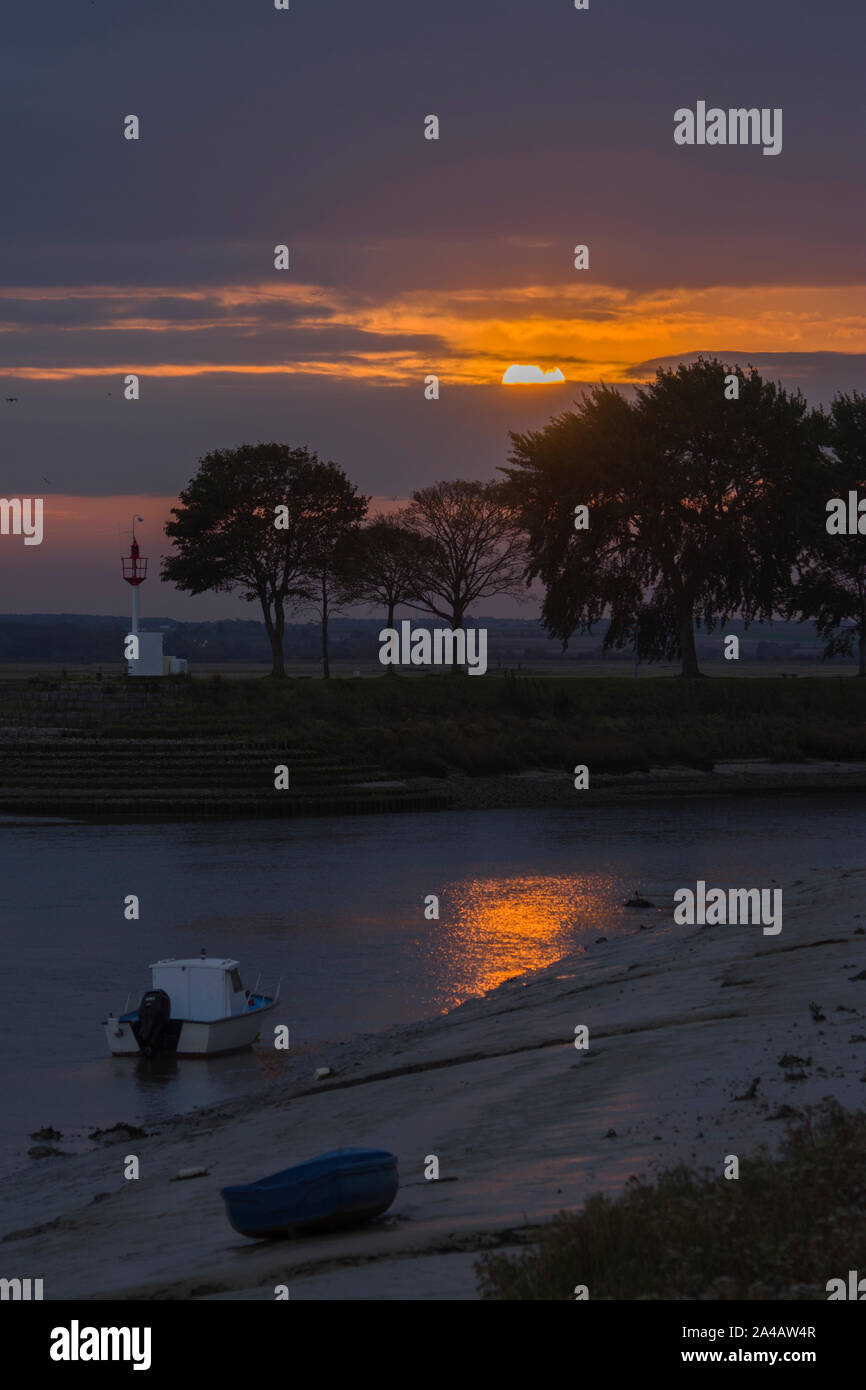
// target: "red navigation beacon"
[[135, 573], [134, 565]]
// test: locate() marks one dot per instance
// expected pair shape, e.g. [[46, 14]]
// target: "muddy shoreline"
[[547, 787], [536, 787], [681, 1020]]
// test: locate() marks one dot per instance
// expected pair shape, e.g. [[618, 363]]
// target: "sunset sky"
[[408, 256]]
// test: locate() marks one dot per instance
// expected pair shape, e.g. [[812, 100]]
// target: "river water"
[[336, 908]]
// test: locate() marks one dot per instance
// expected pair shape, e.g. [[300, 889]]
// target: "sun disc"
[[522, 375]]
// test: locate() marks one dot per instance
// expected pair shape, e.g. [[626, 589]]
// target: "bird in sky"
[[11, 399]]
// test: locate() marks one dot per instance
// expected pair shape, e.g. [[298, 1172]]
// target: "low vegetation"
[[434, 725], [782, 1230]]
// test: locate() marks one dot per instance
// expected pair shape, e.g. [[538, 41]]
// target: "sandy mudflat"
[[681, 1020]]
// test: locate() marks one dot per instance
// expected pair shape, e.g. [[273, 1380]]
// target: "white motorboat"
[[194, 1008]]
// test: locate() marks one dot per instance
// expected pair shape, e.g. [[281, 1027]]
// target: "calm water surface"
[[336, 908]]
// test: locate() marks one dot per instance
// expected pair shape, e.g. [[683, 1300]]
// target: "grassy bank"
[[184, 747], [781, 1230], [483, 725]]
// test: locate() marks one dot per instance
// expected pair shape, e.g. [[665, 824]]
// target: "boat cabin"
[[202, 988]]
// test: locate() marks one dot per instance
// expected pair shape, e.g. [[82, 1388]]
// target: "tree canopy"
[[386, 563], [696, 504], [475, 548], [260, 519], [831, 581]]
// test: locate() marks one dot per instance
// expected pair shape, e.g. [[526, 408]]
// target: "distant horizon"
[[555, 224]]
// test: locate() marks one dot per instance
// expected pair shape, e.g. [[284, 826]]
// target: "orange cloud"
[[591, 331]]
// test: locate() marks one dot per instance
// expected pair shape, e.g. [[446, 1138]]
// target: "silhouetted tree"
[[338, 512], [475, 548], [831, 582], [697, 506], [385, 562], [227, 538]]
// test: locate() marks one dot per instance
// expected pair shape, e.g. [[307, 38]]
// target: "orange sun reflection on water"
[[492, 929]]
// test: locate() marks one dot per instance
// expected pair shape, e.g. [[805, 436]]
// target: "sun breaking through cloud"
[[518, 375]]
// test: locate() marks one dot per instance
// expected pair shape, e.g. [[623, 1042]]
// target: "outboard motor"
[[154, 1013]]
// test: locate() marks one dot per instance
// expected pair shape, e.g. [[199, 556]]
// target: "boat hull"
[[191, 1037], [336, 1190]]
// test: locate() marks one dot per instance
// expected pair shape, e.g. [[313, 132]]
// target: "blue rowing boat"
[[337, 1189]]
